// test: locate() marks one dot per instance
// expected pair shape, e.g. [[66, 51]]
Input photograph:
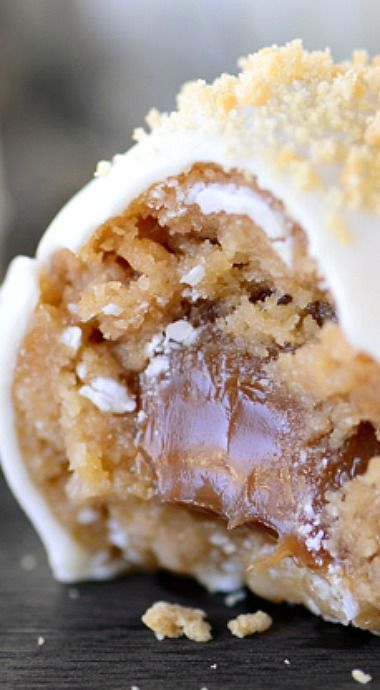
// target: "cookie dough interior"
[[184, 387]]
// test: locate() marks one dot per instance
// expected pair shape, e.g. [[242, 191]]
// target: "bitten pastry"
[[190, 368]]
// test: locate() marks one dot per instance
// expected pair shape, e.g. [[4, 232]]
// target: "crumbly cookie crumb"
[[360, 676], [249, 623], [234, 597], [28, 562], [173, 620], [73, 593]]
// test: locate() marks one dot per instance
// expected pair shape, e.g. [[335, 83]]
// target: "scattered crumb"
[[286, 662], [214, 666], [181, 332], [108, 395], [235, 597], [72, 337], [194, 276], [173, 620], [87, 515], [28, 562], [135, 687], [73, 593], [249, 623], [139, 134], [112, 309], [40, 641], [141, 417], [155, 345], [72, 308], [158, 365], [103, 168], [223, 542], [360, 676]]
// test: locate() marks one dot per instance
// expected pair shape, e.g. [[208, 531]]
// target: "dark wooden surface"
[[97, 641]]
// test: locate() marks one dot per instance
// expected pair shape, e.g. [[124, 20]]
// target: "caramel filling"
[[223, 437]]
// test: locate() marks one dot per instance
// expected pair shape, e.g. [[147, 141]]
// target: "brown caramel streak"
[[223, 437]]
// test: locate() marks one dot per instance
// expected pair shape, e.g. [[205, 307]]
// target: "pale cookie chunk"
[[250, 623], [173, 620]]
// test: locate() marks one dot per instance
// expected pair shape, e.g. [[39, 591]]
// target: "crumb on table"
[[173, 620], [360, 676], [73, 593], [28, 562], [234, 597], [249, 623]]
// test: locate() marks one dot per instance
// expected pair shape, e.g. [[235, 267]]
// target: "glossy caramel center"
[[223, 437]]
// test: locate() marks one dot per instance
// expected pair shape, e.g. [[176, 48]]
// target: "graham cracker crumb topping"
[[306, 115]]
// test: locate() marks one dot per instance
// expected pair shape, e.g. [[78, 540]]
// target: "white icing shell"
[[350, 271]]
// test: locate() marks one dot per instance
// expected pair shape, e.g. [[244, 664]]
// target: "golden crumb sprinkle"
[[250, 623], [173, 620], [372, 133], [308, 116], [153, 118], [360, 676]]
